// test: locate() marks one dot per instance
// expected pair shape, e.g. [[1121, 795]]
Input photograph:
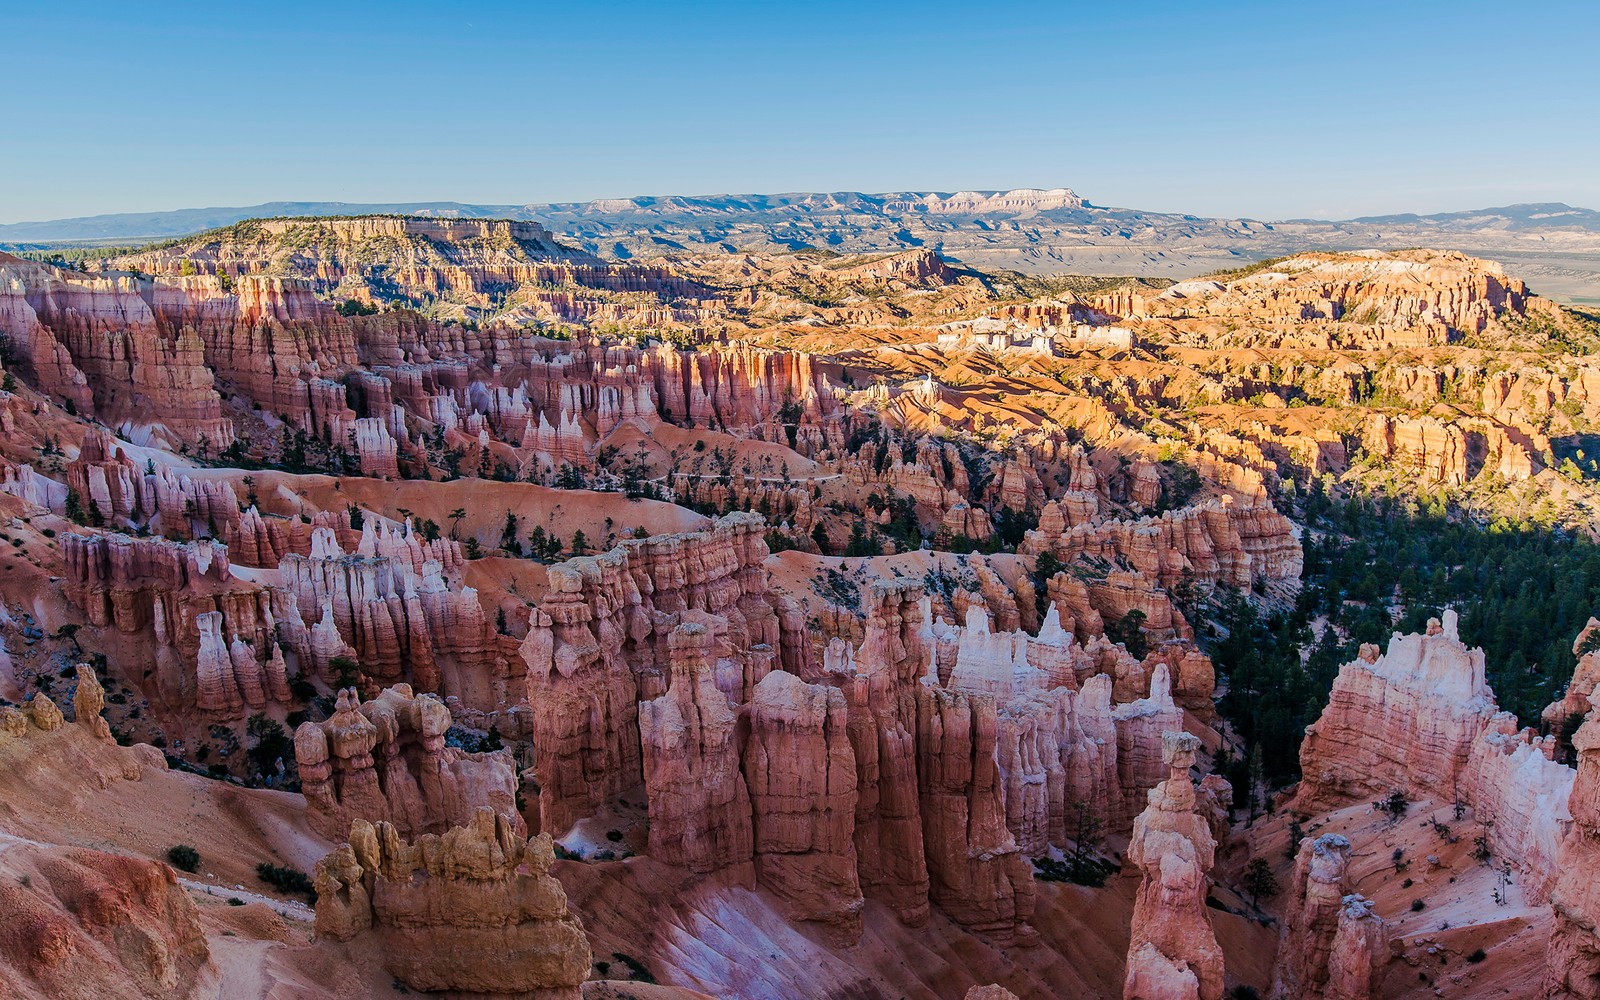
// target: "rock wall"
[[1406, 721], [1573, 705], [474, 911], [880, 687], [216, 635], [700, 806], [801, 772], [1219, 542], [1409, 297], [976, 871], [229, 643], [919, 767], [597, 641], [400, 605], [1516, 788], [386, 760], [1572, 964]]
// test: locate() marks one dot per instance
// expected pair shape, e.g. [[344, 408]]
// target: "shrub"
[[636, 968], [1395, 805], [1417, 906], [1079, 868], [1477, 956], [286, 879], [235, 901], [184, 858]]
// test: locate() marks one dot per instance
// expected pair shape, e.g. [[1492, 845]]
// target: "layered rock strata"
[[596, 643], [1334, 947], [1224, 542], [1572, 964], [474, 911], [1173, 952], [700, 806], [801, 772], [1405, 721], [386, 760]]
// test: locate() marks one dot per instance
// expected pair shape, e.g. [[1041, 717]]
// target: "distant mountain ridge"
[[182, 222], [1539, 215], [1034, 230]]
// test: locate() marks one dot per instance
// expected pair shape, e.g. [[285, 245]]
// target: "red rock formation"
[[216, 635], [1406, 721], [882, 726], [1142, 753], [79, 923], [801, 771], [1574, 703], [700, 807], [1410, 298], [43, 713], [1519, 795], [1360, 952], [474, 911], [976, 871], [586, 734], [88, 701], [399, 603], [1221, 542], [599, 638], [106, 479], [386, 760], [1194, 677], [1572, 964], [1173, 951], [25, 482], [1453, 452], [1333, 946]]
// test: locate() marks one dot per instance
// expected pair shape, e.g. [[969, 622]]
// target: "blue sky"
[[1270, 110]]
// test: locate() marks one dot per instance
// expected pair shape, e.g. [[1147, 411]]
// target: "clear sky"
[[1270, 110]]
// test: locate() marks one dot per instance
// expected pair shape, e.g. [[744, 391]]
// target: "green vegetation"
[[269, 743], [286, 879], [1377, 565], [351, 307], [1259, 881], [1235, 273], [184, 858]]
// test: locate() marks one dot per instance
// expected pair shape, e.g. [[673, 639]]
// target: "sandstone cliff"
[[386, 760], [1405, 720], [1333, 945], [473, 911]]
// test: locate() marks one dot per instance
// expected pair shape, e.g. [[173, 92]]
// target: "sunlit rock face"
[[1405, 721], [1173, 951]]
